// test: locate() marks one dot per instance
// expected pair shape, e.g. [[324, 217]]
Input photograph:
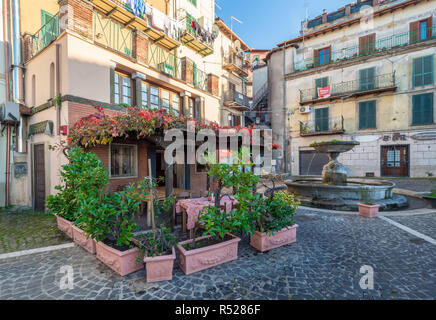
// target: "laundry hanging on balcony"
[[137, 6], [205, 35], [324, 92]]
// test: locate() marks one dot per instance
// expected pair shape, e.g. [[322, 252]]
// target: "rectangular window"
[[154, 97], [367, 115], [123, 160], [165, 98], [367, 79], [122, 89], [322, 119], [320, 83], [367, 44], [323, 56], [423, 71], [175, 104], [422, 109], [144, 95]]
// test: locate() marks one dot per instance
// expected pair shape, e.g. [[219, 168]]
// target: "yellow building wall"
[[30, 13]]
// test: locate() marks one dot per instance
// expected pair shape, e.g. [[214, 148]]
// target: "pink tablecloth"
[[194, 207]]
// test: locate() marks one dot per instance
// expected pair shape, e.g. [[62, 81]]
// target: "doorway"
[[39, 176], [395, 161]]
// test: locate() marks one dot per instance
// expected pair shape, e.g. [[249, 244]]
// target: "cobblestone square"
[[324, 263]]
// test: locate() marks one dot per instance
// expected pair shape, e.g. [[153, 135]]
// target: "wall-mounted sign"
[[370, 138], [395, 137], [20, 169], [424, 136]]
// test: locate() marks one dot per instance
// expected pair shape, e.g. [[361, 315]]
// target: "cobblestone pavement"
[[323, 264], [425, 224]]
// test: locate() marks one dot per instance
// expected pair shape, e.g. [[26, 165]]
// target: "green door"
[[322, 119]]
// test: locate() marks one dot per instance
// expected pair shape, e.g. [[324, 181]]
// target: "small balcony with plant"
[[195, 36], [348, 89], [322, 126]]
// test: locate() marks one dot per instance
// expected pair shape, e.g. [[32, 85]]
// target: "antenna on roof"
[[231, 26]]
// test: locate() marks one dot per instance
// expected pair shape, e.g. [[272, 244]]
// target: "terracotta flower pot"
[[122, 262], [65, 226], [82, 240], [262, 242], [368, 211], [160, 268], [204, 258]]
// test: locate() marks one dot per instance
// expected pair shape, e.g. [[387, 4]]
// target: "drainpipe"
[[16, 73], [5, 13], [285, 142]]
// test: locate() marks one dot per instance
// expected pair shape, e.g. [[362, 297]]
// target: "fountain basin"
[[335, 147], [310, 191]]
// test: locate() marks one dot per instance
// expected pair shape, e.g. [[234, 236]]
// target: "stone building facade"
[[364, 72]]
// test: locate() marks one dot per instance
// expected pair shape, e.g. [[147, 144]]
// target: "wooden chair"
[[180, 194]]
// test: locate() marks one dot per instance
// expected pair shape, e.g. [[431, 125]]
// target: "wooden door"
[[395, 161], [39, 176], [312, 162]]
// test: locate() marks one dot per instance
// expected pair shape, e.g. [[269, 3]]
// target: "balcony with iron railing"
[[44, 36], [237, 100], [354, 52], [235, 63], [194, 36], [355, 88], [322, 126]]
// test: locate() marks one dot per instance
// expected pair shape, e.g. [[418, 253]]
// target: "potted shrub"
[[431, 198], [275, 225], [367, 208], [218, 244], [83, 174], [110, 221], [157, 248]]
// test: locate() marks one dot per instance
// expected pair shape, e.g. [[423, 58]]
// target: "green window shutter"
[[367, 79], [367, 115], [422, 109], [322, 119], [112, 85], [189, 20], [423, 70]]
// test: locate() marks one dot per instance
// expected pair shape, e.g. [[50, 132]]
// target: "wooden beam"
[[129, 22], [159, 39], [111, 12]]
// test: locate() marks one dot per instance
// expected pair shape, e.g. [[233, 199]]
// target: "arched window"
[[33, 90], [52, 80]]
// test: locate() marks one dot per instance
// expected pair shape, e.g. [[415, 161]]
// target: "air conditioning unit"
[[10, 112], [306, 109]]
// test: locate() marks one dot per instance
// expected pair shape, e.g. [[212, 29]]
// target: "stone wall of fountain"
[[334, 191]]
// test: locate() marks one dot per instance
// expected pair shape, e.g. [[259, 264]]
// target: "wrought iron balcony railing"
[[322, 126], [235, 63], [46, 35], [381, 45], [350, 88], [236, 99]]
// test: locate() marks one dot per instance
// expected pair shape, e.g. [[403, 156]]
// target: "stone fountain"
[[335, 191]]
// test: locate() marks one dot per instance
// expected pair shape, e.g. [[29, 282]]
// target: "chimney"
[[324, 16]]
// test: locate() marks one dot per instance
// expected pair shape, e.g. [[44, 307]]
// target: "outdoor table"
[[191, 209]]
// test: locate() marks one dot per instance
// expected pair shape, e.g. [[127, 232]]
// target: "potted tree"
[[274, 224], [110, 221], [157, 246], [218, 244], [367, 208]]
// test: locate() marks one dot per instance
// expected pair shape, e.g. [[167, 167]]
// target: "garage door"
[[312, 162]]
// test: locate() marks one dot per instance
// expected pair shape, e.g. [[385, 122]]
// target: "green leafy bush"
[[83, 175]]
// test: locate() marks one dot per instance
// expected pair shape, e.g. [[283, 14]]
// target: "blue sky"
[[269, 22]]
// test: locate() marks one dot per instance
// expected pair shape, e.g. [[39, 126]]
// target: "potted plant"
[[157, 248], [431, 198], [218, 244], [110, 221], [83, 174], [275, 226], [367, 208]]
